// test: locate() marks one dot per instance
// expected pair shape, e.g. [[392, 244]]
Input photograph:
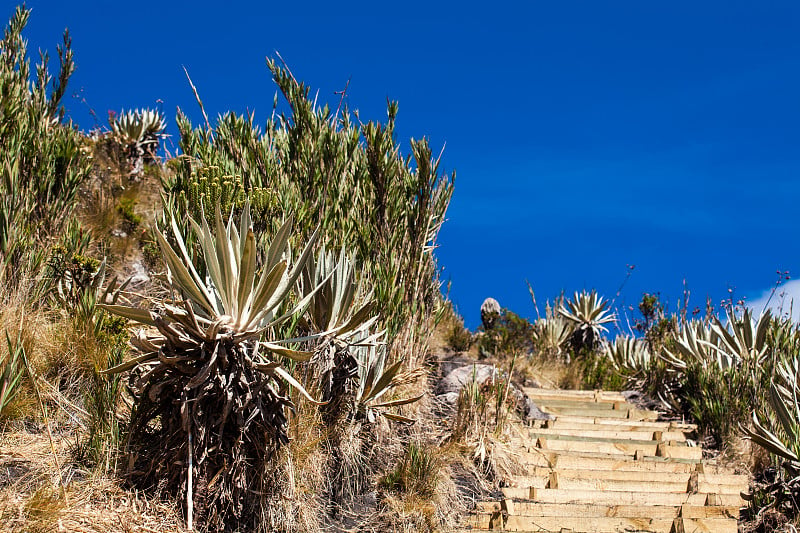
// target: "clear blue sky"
[[586, 136]]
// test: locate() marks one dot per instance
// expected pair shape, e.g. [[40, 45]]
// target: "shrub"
[[150, 253], [452, 330], [656, 327], [209, 403], [127, 209], [41, 158], [593, 370], [417, 473], [459, 338], [103, 393], [510, 335], [348, 177]]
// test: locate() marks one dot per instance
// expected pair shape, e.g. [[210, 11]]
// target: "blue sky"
[[586, 136]]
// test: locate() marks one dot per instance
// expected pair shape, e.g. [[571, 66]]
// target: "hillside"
[[251, 335]]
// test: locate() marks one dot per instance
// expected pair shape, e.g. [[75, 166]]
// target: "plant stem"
[[189, 499]]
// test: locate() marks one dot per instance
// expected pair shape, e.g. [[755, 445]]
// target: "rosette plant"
[[141, 128], [588, 314], [339, 305], [339, 311], [743, 340], [779, 433], [139, 133], [210, 394], [776, 428], [629, 355], [552, 333], [350, 357], [375, 381]]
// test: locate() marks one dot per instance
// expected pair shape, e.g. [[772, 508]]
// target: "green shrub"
[[597, 371], [459, 337], [511, 334], [451, 326], [473, 409], [416, 473], [655, 326], [205, 188], [102, 396], [41, 158], [332, 171], [718, 400], [150, 253], [127, 210]]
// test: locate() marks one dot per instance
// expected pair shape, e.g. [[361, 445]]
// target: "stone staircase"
[[603, 465]]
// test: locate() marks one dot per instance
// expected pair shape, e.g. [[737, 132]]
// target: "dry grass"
[[51, 350], [294, 487], [43, 491], [36, 496], [409, 512], [98, 209], [61, 356]]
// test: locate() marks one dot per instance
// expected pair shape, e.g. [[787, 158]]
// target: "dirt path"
[[603, 465]]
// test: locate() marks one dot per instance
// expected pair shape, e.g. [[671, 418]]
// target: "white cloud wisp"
[[784, 300]]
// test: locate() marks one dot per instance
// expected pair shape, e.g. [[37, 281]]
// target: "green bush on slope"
[[41, 162], [332, 171]]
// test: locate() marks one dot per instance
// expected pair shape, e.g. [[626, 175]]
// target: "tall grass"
[[10, 374], [417, 472]]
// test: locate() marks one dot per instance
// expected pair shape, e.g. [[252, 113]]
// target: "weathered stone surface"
[[457, 378], [451, 384]]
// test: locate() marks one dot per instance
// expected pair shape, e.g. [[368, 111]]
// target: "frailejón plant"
[[210, 392], [588, 314]]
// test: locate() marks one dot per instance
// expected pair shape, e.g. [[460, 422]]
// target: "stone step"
[[584, 404], [585, 437], [620, 448], [604, 461], [593, 510], [576, 395], [628, 414], [581, 524], [555, 480], [603, 465], [664, 425], [607, 497], [669, 428], [738, 480]]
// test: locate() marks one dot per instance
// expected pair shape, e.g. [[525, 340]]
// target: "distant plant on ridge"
[[588, 314], [139, 133]]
